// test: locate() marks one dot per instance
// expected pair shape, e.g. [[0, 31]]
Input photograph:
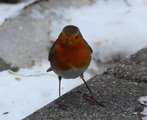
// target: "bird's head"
[[70, 36]]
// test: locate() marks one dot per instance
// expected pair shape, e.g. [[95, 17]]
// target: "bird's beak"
[[67, 42]]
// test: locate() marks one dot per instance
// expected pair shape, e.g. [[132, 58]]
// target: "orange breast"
[[76, 56]]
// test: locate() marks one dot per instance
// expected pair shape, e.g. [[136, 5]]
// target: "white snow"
[[110, 27], [143, 101], [144, 112], [11, 10], [144, 118], [37, 15], [27, 90]]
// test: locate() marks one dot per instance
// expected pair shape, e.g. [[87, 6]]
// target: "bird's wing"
[[51, 52]]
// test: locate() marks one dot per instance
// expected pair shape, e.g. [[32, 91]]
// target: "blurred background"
[[115, 29]]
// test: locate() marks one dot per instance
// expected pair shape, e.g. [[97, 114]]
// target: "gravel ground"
[[119, 87]]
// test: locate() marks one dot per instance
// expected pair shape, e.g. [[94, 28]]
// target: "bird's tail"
[[48, 70]]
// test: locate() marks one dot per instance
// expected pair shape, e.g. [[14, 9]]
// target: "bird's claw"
[[94, 100], [62, 105]]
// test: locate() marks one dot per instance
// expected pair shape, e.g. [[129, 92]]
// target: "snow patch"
[[143, 101], [11, 10], [110, 32]]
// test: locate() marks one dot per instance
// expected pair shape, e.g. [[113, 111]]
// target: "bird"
[[70, 56]]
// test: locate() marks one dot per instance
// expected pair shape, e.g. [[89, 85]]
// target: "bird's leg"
[[91, 94], [60, 99], [61, 102]]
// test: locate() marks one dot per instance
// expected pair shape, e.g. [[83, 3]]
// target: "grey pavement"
[[119, 87]]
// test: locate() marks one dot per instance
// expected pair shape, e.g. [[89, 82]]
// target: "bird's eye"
[[76, 37]]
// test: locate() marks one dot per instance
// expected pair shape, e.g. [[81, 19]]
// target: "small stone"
[[135, 113]]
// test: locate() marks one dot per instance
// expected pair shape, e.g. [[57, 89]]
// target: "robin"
[[70, 56]]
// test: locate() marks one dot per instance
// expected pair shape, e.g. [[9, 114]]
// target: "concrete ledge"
[[120, 87]]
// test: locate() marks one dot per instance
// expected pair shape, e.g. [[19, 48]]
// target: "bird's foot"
[[62, 105], [94, 100]]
